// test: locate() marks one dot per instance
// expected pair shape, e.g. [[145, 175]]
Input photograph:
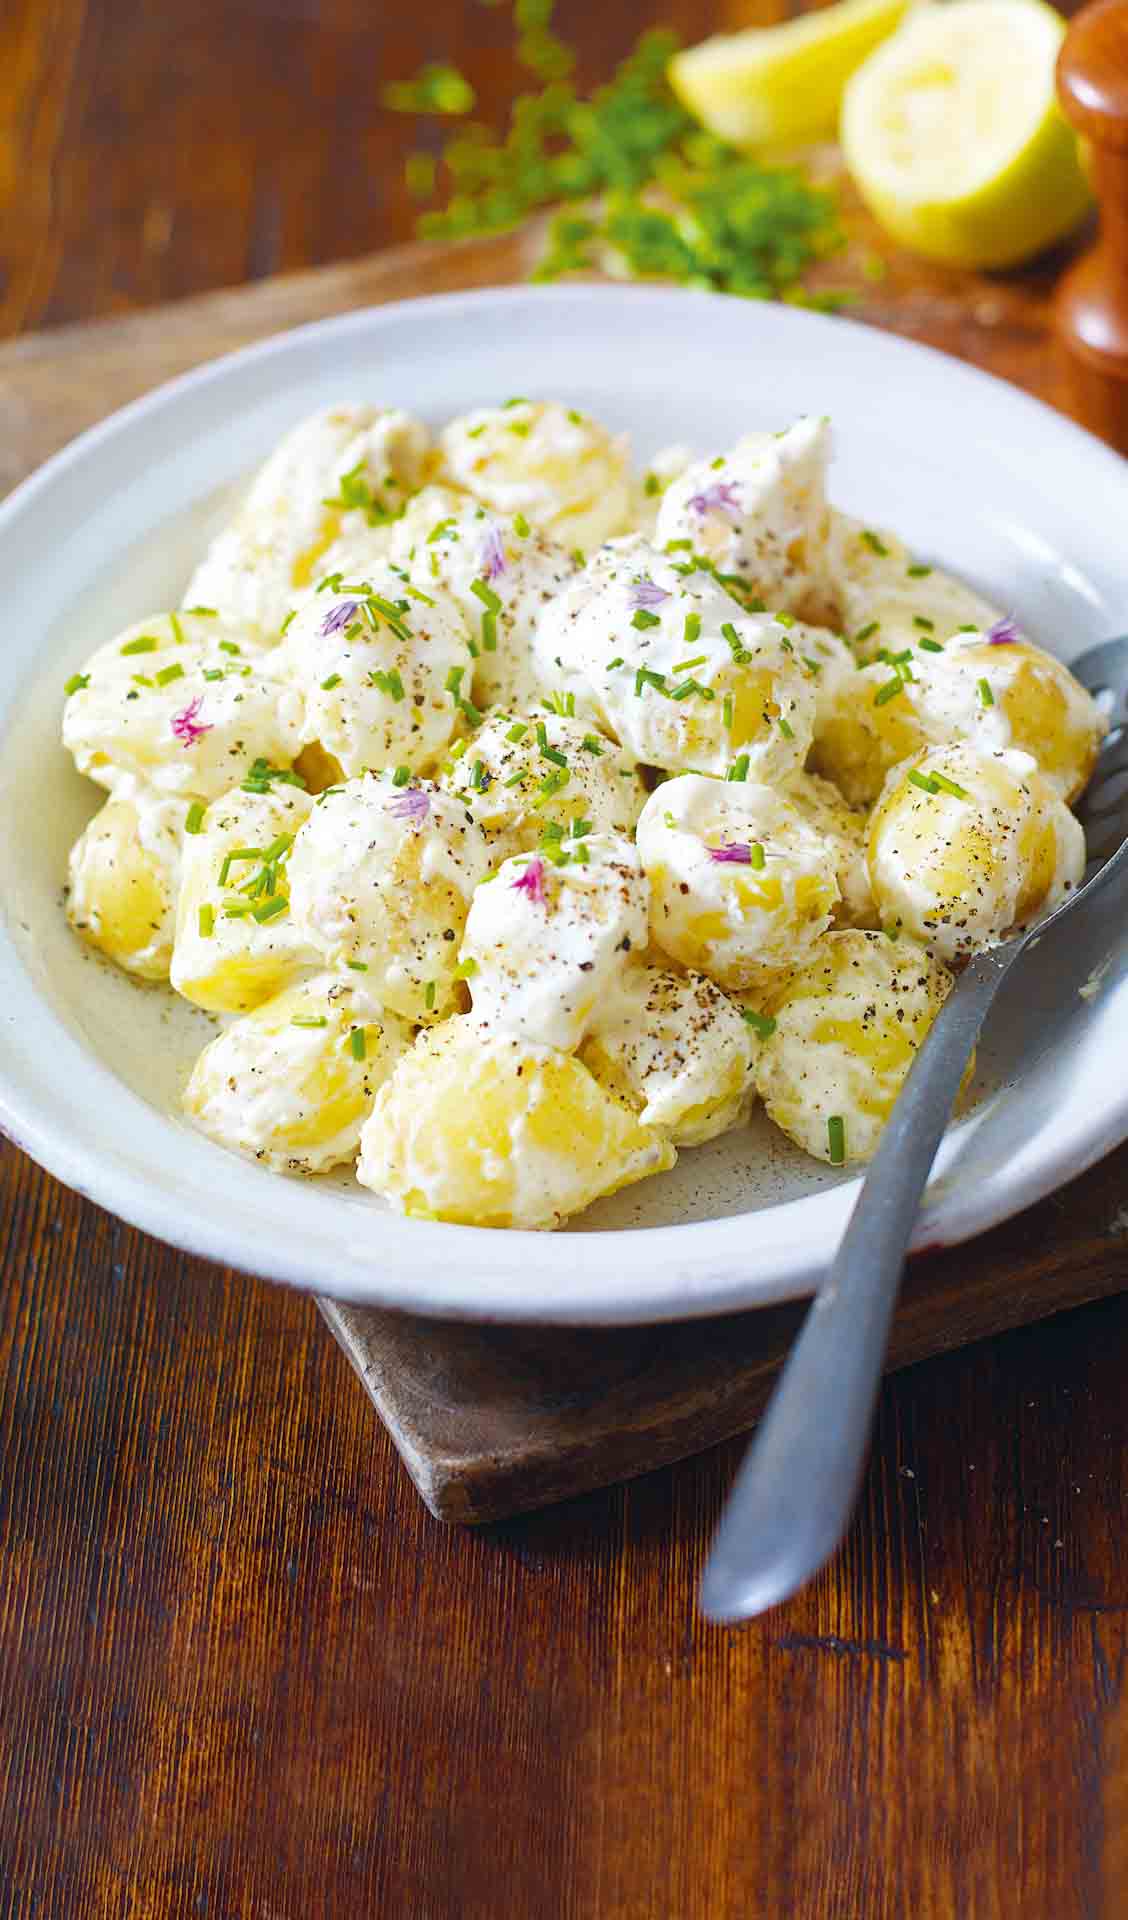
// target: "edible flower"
[[734, 853], [186, 724], [412, 804], [646, 594], [339, 617], [493, 555], [721, 497], [531, 882], [1004, 633]]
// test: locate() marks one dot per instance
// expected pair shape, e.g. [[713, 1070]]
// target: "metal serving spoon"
[[795, 1493]]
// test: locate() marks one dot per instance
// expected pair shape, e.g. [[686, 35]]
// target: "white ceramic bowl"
[[973, 474]]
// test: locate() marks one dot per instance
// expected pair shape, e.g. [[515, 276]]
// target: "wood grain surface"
[[242, 1671]]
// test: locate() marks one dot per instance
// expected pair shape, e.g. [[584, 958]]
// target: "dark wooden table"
[[242, 1672]]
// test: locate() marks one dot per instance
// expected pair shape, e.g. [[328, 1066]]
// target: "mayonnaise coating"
[[373, 669], [381, 877], [547, 936], [847, 1025], [237, 942], [759, 512], [500, 573], [326, 483], [123, 875], [520, 773], [676, 1049], [674, 667], [183, 703], [886, 597], [565, 472], [494, 1131], [741, 886], [966, 845], [292, 1083], [844, 830]]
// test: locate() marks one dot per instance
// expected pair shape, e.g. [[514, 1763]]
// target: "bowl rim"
[[691, 1268]]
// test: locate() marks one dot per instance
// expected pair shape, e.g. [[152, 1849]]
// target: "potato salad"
[[522, 820]]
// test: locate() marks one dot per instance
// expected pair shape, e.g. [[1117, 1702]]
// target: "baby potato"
[[381, 877], [379, 672], [519, 775], [185, 703], [547, 937], [994, 689], [965, 846], [237, 942], [326, 499], [499, 572], [741, 886], [123, 877], [674, 1048], [847, 1024], [675, 669], [759, 513], [844, 830], [492, 1131], [568, 476], [886, 598], [292, 1083]]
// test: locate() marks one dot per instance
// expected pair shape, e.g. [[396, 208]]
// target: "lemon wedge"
[[954, 138], [781, 85]]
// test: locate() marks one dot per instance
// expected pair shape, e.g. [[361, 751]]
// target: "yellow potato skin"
[[243, 962], [493, 1132], [121, 896]]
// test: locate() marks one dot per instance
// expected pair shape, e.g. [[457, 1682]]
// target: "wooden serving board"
[[491, 1420]]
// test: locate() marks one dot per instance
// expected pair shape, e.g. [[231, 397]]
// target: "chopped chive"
[[875, 543], [203, 613], [520, 428], [866, 633], [144, 643], [926, 626], [517, 731], [553, 783], [756, 855], [429, 995], [642, 619], [651, 485], [206, 921], [194, 819], [616, 662], [140, 680], [784, 619], [950, 786], [925, 781], [514, 779], [358, 1046], [357, 966], [288, 621], [647, 677], [968, 626], [930, 646], [986, 697], [466, 969], [739, 768], [401, 776], [333, 680], [177, 629], [786, 728], [692, 629], [228, 646], [760, 1023], [484, 592], [270, 909], [309, 1020], [836, 1139], [739, 651], [686, 666], [76, 683], [552, 753], [168, 674], [590, 744], [213, 673], [888, 690], [580, 827], [521, 526], [917, 571], [387, 682], [727, 712]]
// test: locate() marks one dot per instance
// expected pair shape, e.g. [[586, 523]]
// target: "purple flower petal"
[[721, 497], [733, 853], [186, 724], [1004, 633], [339, 617], [492, 559], [646, 594], [412, 804], [531, 882]]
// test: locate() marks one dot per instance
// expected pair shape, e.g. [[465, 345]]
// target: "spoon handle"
[[793, 1498]]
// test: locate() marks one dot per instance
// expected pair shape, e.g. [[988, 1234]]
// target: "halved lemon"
[[954, 137], [781, 85]]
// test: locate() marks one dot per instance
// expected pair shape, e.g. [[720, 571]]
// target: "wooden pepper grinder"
[[1092, 301]]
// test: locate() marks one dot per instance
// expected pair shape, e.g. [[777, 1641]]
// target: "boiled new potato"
[[561, 469], [237, 942], [741, 886], [381, 878], [965, 846], [521, 773], [183, 702], [842, 1033], [293, 1082], [499, 1132], [123, 878], [674, 1048]]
